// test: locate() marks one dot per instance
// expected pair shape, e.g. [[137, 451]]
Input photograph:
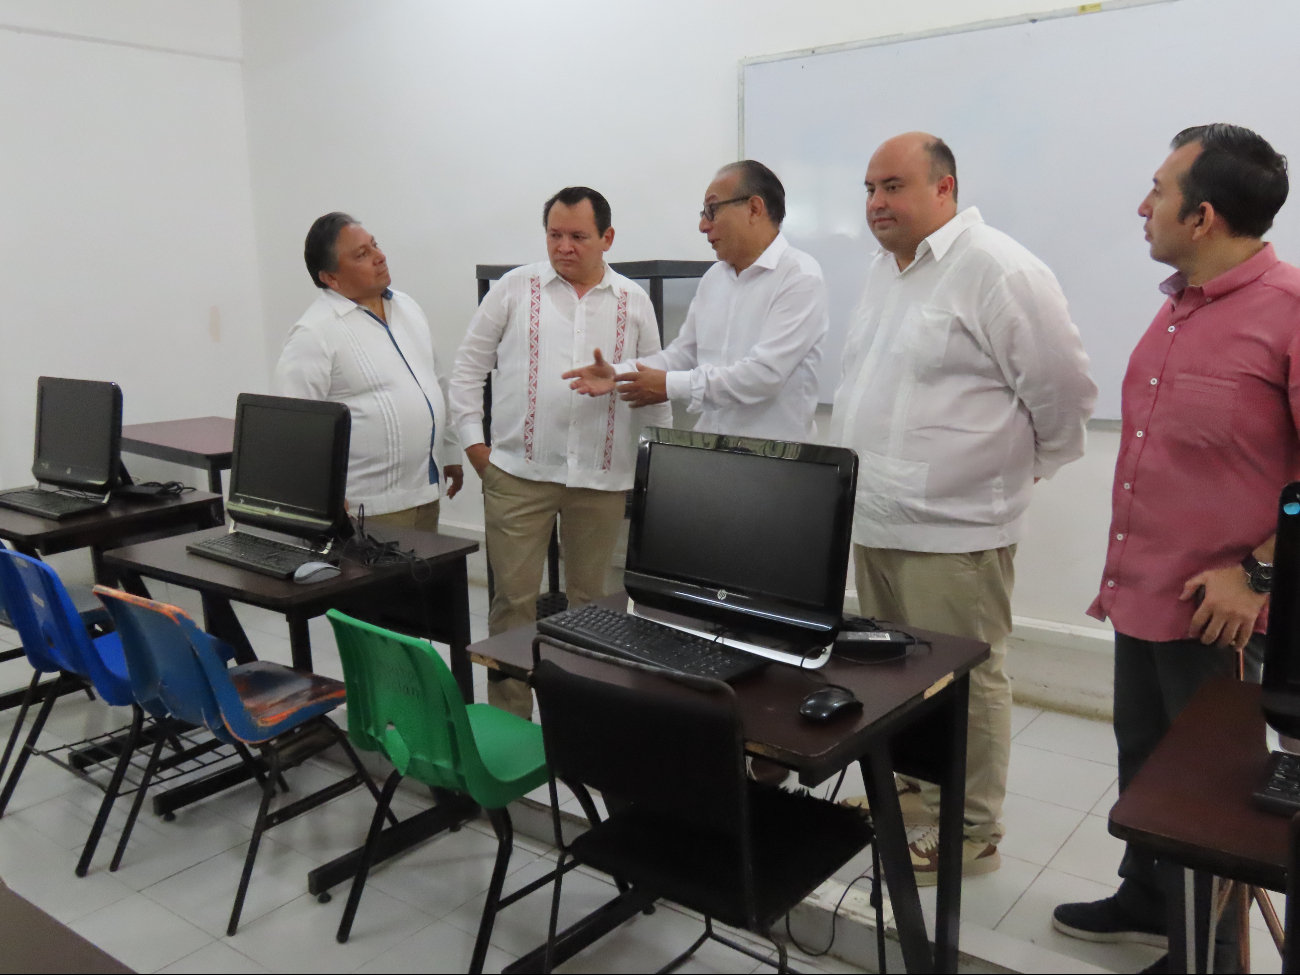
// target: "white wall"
[[128, 250]]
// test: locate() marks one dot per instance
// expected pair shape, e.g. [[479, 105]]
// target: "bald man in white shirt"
[[365, 345], [746, 358], [964, 382]]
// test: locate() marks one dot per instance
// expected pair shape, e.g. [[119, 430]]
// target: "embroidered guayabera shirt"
[[532, 328], [1211, 404]]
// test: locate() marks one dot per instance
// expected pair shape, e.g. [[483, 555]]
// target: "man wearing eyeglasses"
[[746, 358]]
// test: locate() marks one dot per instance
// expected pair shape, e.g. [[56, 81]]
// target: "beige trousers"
[[423, 517], [965, 594], [519, 515]]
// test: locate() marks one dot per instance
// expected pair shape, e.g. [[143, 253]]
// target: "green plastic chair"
[[404, 703]]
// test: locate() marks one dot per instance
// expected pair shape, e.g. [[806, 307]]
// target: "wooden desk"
[[205, 442], [1191, 802], [359, 589], [913, 720], [118, 522]]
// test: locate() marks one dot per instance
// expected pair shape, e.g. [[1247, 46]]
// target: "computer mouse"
[[310, 572], [829, 703]]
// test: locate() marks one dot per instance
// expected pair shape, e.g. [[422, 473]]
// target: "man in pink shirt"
[[1211, 408]]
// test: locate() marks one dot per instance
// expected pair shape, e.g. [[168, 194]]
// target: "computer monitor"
[[290, 465], [78, 434], [749, 534], [1281, 690]]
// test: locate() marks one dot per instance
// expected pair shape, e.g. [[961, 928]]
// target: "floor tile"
[[1061, 779], [478, 601], [1031, 920], [41, 781], [205, 893], [159, 850], [437, 948], [1068, 734], [336, 828], [443, 873], [1036, 830], [986, 900], [40, 870], [1091, 852], [241, 802], [217, 957], [521, 927], [1021, 716], [299, 937], [66, 819], [140, 933], [1111, 796]]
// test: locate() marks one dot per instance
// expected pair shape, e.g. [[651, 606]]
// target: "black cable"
[[834, 918]]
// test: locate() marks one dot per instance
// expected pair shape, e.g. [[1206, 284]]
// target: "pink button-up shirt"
[[1211, 407]]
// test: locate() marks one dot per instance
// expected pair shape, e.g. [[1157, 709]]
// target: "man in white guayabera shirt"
[[363, 344], [964, 382], [747, 355], [553, 451]]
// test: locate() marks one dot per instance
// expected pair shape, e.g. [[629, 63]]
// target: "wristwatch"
[[1259, 575]]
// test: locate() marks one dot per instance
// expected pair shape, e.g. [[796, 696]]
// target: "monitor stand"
[[771, 650]]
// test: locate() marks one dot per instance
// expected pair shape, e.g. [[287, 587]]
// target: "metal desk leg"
[[952, 802], [220, 620], [299, 642], [450, 594], [891, 837], [214, 479]]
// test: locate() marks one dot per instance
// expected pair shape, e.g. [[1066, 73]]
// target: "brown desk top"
[[122, 518], [166, 559], [206, 436], [1192, 799], [769, 700], [35, 942]]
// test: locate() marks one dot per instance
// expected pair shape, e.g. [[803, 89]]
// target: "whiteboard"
[[1057, 124]]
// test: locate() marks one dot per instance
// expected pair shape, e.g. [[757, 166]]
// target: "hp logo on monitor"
[[722, 594]]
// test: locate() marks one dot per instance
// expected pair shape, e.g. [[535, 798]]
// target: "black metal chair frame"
[[566, 850]]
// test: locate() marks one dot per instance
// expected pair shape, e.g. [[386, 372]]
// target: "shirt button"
[[1110, 583], [1127, 486], [1119, 537], [1139, 433], [1171, 328], [1154, 381]]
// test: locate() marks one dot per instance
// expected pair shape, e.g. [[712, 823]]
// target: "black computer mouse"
[[829, 703]]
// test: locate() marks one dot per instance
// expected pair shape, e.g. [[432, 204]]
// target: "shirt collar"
[[1243, 274], [342, 305], [941, 241], [772, 254], [549, 274]]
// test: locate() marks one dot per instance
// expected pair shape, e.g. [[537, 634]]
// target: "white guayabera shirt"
[[747, 355], [964, 379], [532, 328], [389, 378]]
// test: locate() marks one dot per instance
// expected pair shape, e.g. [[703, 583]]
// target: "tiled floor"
[[165, 909]]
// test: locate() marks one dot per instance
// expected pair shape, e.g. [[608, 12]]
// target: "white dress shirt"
[[747, 355], [532, 327], [389, 378], [964, 379]]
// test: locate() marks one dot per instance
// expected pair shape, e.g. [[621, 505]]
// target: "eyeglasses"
[[711, 209]]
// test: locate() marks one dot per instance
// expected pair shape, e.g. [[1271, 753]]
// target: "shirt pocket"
[[923, 337], [1202, 409]]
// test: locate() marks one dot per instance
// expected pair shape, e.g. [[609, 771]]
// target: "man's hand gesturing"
[[596, 379]]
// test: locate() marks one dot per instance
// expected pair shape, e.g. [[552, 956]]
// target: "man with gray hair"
[[746, 358], [964, 382]]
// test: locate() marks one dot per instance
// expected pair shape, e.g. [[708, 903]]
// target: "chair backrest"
[[160, 658], [667, 744], [53, 634], [404, 702]]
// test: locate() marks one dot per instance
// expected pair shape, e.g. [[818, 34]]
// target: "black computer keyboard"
[[54, 505], [634, 638], [1280, 792], [254, 553]]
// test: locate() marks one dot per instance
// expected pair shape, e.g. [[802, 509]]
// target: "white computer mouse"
[[310, 572]]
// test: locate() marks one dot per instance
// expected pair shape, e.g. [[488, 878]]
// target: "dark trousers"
[[1153, 683]]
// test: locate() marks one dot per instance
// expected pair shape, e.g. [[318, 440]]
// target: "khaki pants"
[[519, 515], [965, 594], [423, 517]]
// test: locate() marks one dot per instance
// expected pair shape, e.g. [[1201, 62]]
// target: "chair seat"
[[798, 841], [278, 697], [512, 751]]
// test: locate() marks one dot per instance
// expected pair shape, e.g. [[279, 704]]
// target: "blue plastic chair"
[[55, 641], [281, 711]]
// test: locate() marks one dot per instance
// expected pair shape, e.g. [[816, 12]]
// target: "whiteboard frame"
[[1077, 10]]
